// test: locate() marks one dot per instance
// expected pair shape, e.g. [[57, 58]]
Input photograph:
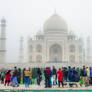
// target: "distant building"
[[55, 44]]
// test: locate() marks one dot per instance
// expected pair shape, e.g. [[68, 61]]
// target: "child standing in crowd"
[[26, 78], [7, 78], [60, 77]]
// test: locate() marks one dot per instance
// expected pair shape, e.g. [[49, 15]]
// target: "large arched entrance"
[[55, 53]]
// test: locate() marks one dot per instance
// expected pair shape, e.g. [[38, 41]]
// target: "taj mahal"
[[54, 45]]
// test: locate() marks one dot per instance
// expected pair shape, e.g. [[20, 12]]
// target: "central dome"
[[55, 22]]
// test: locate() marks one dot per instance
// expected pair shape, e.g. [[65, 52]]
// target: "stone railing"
[[40, 65]]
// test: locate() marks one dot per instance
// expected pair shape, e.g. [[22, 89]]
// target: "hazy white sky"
[[26, 17]]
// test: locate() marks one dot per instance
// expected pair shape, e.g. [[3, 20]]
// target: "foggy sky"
[[26, 17]]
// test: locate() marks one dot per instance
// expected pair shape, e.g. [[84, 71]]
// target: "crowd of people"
[[49, 76]]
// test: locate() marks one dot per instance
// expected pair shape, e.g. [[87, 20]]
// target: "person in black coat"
[[15, 75], [47, 74], [39, 76]]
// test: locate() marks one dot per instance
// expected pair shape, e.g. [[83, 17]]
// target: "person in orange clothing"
[[60, 77], [27, 78], [30, 76]]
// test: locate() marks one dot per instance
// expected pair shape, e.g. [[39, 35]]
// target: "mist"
[[26, 17]]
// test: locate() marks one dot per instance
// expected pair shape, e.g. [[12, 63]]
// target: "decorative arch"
[[72, 48], [39, 48], [72, 59], [39, 58], [55, 53]]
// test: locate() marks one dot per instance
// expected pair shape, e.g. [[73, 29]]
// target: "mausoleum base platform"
[[40, 65]]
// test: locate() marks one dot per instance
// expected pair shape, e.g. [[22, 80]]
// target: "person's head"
[[38, 69], [74, 68], [86, 67], [46, 67], [83, 67], [15, 68], [59, 69], [69, 67], [53, 67], [9, 71]]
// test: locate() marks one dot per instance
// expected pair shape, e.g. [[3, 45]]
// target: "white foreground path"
[[35, 87]]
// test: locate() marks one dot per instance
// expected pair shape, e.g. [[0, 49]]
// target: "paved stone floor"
[[35, 87]]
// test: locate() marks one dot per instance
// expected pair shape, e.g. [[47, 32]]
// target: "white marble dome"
[[55, 22]]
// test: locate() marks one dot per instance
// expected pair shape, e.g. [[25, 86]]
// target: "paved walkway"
[[35, 87]]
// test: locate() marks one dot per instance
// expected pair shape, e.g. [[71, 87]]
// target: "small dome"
[[55, 22]]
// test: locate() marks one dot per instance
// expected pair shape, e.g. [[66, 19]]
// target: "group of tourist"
[[49, 77]]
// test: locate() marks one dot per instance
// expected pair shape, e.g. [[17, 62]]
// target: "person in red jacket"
[[7, 78], [60, 77]]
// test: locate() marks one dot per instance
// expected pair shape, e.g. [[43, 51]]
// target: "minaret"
[[3, 41], [88, 50], [21, 57]]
